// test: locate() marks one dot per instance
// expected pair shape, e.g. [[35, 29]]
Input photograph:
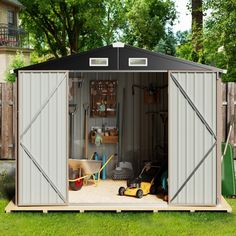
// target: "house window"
[[138, 61], [98, 61], [11, 18]]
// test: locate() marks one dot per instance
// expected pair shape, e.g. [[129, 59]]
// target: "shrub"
[[7, 186], [16, 62]]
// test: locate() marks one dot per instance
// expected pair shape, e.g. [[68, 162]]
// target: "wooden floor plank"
[[223, 207]]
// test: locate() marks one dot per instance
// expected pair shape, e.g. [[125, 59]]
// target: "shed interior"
[[125, 114]]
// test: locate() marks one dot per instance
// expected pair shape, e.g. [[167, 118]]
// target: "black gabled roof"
[[118, 60]]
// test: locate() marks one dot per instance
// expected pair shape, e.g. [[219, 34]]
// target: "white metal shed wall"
[[192, 173], [42, 153]]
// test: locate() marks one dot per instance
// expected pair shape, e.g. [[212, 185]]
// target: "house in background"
[[12, 38]]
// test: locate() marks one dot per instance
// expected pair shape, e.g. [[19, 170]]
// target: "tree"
[[114, 21], [221, 36], [184, 46], [16, 62], [182, 37], [193, 48], [146, 21], [63, 27], [197, 30], [167, 44]]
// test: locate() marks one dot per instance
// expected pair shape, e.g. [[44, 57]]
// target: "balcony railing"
[[11, 36]]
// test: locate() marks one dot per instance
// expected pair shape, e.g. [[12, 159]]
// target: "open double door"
[[43, 138]]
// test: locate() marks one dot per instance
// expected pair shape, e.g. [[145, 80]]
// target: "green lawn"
[[117, 223]]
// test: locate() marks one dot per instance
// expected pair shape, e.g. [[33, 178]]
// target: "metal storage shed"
[[194, 129]]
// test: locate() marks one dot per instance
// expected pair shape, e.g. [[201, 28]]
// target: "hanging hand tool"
[[86, 108], [72, 111]]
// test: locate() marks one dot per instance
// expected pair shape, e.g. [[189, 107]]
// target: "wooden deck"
[[118, 207]]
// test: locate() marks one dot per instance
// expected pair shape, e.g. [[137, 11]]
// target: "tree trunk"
[[197, 28]]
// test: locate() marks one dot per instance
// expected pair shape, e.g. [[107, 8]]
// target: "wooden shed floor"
[[11, 207], [104, 197], [106, 192]]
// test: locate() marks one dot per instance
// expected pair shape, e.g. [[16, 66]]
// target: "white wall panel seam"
[[186, 137], [204, 115], [30, 133]]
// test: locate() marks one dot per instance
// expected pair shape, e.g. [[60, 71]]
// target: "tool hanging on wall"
[[151, 92], [164, 119], [72, 111], [86, 108], [103, 95]]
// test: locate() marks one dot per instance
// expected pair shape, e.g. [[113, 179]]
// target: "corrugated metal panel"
[[43, 104], [190, 140]]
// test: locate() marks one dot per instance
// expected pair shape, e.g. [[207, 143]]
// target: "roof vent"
[[103, 61], [138, 61], [118, 45]]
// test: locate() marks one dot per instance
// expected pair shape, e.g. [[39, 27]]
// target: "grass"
[[117, 223]]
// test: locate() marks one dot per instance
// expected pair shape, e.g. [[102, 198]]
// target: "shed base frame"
[[223, 207]]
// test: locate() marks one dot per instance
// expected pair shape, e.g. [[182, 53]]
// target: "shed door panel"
[[42, 160], [192, 138]]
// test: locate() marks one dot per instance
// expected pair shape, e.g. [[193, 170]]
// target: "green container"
[[228, 172]]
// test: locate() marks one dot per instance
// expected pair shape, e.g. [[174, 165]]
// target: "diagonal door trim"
[[42, 107], [42, 172], [193, 172], [193, 106]]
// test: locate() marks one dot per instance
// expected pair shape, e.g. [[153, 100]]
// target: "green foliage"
[[146, 21], [63, 27], [197, 39], [7, 186], [16, 62], [184, 45], [167, 44], [90, 223], [197, 31], [60, 28], [221, 34], [218, 39], [113, 21], [182, 37], [36, 58], [186, 50]]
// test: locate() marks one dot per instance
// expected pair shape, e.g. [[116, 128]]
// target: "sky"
[[184, 20]]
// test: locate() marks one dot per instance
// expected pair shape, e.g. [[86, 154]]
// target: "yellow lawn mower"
[[143, 184]]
